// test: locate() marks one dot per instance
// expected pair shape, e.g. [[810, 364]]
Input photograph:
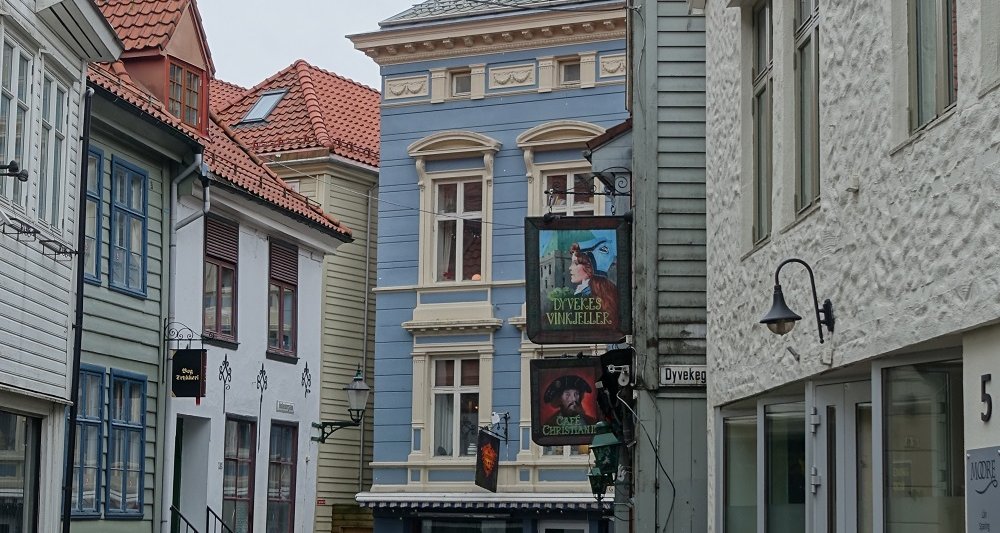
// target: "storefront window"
[[785, 467], [19, 436], [470, 525], [740, 448], [924, 468]]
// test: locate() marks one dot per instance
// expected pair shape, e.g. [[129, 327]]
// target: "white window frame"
[[453, 77], [762, 113], [452, 144], [569, 135], [456, 390], [562, 64], [461, 217], [945, 68], [571, 170], [807, 35], [52, 158], [12, 190]]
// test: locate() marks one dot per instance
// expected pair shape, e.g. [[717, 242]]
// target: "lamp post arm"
[[328, 428], [812, 282]]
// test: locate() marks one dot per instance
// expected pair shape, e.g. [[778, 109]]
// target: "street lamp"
[[780, 319], [357, 402], [605, 447]]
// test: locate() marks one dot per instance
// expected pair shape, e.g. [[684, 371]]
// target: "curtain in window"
[[444, 424]]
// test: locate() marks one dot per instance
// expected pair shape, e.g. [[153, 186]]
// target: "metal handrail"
[[177, 512], [216, 523]]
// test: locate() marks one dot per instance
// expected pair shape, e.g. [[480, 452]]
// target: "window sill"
[[85, 516], [123, 516], [221, 343], [922, 130], [756, 248], [92, 281], [802, 216], [282, 357], [127, 291]]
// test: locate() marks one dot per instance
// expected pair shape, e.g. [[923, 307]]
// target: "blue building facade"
[[485, 107]]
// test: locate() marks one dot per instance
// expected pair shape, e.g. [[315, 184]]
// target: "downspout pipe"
[[364, 334], [168, 424], [81, 243]]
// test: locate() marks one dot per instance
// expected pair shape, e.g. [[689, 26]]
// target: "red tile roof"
[[320, 110], [223, 94], [230, 159], [142, 24], [226, 157]]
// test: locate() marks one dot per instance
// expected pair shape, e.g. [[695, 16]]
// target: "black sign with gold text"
[[487, 460], [188, 376], [578, 279]]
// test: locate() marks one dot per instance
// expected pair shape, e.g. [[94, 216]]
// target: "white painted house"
[[45, 49], [248, 278], [862, 139]]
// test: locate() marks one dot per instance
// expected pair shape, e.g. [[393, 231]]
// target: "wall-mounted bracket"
[[493, 427], [56, 250]]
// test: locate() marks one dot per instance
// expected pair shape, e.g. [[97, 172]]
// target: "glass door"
[[840, 477]]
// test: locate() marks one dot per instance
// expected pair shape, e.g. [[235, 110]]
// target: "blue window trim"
[[96, 278], [98, 422], [132, 379], [119, 209]]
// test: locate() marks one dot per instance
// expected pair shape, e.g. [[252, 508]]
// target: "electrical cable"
[[673, 488]]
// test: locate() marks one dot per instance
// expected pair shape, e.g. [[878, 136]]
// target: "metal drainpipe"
[[167, 463], [81, 243], [364, 334]]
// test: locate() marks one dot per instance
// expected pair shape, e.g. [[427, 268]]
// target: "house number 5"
[[986, 398]]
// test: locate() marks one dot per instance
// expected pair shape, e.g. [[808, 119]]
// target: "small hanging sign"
[[188, 377], [487, 460]]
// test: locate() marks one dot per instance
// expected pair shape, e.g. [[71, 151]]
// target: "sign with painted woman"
[[577, 272]]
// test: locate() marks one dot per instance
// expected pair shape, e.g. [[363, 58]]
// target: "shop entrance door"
[[840, 477]]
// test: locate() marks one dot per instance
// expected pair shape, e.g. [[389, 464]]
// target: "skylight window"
[[267, 102]]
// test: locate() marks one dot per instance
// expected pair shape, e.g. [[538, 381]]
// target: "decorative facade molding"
[[453, 326], [409, 87], [588, 69], [512, 76], [422, 48], [613, 65], [555, 135], [478, 81]]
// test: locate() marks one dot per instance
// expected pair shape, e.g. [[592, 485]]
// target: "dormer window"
[[185, 95], [265, 104]]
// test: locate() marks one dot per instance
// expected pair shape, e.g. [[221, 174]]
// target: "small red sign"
[[320, 501]]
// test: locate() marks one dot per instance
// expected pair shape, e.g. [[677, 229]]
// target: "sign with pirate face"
[[577, 271], [564, 407]]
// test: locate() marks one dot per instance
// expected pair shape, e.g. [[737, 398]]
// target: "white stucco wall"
[[284, 380], [911, 256]]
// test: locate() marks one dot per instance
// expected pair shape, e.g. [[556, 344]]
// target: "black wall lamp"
[[13, 169], [357, 402], [780, 319]]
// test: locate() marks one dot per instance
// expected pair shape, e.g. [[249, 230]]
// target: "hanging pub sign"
[[564, 408], [188, 377], [487, 460], [577, 274]]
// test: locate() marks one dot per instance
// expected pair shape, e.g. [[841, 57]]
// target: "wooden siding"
[[123, 331], [343, 322], [668, 105]]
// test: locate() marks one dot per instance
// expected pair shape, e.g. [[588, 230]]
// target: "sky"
[[253, 39]]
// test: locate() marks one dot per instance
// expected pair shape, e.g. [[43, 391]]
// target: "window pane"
[[556, 182], [470, 423], [865, 472], [762, 162], [446, 240], [473, 246], [46, 100], [60, 109], [444, 414], [56, 181], [228, 304], [288, 320], [90, 246], [807, 129], [582, 190], [761, 33], [135, 193], [273, 308], [470, 372], [448, 198], [472, 196], [571, 72], [740, 471], [785, 443], [444, 373], [924, 446], [135, 403], [43, 174], [23, 72], [8, 66], [925, 58], [210, 297]]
